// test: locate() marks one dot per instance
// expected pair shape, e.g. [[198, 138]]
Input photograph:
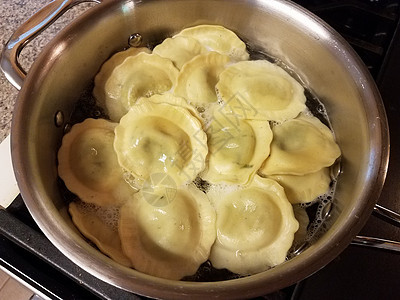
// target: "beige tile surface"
[[11, 289], [12, 15], [3, 278]]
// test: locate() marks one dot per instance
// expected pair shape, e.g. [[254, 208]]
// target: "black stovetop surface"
[[372, 29]]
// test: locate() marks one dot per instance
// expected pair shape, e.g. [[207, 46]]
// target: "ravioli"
[[161, 138], [218, 38], [255, 227], [90, 220], [88, 164], [300, 146], [168, 98], [237, 148], [142, 75], [170, 241], [304, 188], [105, 72], [197, 79], [179, 49], [196, 114], [260, 90]]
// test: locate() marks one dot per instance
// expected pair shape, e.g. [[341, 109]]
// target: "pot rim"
[[72, 246]]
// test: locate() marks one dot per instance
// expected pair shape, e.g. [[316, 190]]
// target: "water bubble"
[[135, 40], [59, 118], [335, 170], [67, 128]]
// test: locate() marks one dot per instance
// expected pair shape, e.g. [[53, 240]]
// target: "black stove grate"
[[28, 254], [368, 26]]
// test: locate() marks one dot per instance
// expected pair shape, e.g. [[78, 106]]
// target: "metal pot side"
[[321, 58]]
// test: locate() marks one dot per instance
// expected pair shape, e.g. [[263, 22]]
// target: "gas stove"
[[372, 28]]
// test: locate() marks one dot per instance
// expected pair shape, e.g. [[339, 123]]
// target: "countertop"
[[12, 14]]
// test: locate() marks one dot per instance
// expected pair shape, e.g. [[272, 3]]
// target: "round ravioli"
[[106, 70], [300, 146], [237, 148], [88, 164], [100, 225], [161, 138], [179, 49], [169, 241], [255, 227], [259, 89], [218, 38], [142, 75], [197, 79], [304, 188], [168, 98]]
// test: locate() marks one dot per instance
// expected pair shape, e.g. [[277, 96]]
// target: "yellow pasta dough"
[[300, 146], [304, 188], [142, 75], [88, 164], [179, 49], [161, 138], [237, 148], [170, 241], [168, 98], [261, 90], [90, 220], [218, 38], [196, 114], [255, 227], [105, 72], [197, 79]]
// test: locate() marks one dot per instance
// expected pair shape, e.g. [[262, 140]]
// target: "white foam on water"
[[109, 215]]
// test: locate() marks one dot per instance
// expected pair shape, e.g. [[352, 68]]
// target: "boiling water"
[[109, 215], [317, 210]]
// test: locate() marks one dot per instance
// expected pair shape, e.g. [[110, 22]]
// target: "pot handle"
[[36, 24], [390, 217]]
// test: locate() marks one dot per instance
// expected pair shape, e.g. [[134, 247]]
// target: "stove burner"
[[368, 26], [372, 29]]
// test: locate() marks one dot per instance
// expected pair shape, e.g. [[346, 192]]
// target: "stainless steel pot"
[[321, 58]]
